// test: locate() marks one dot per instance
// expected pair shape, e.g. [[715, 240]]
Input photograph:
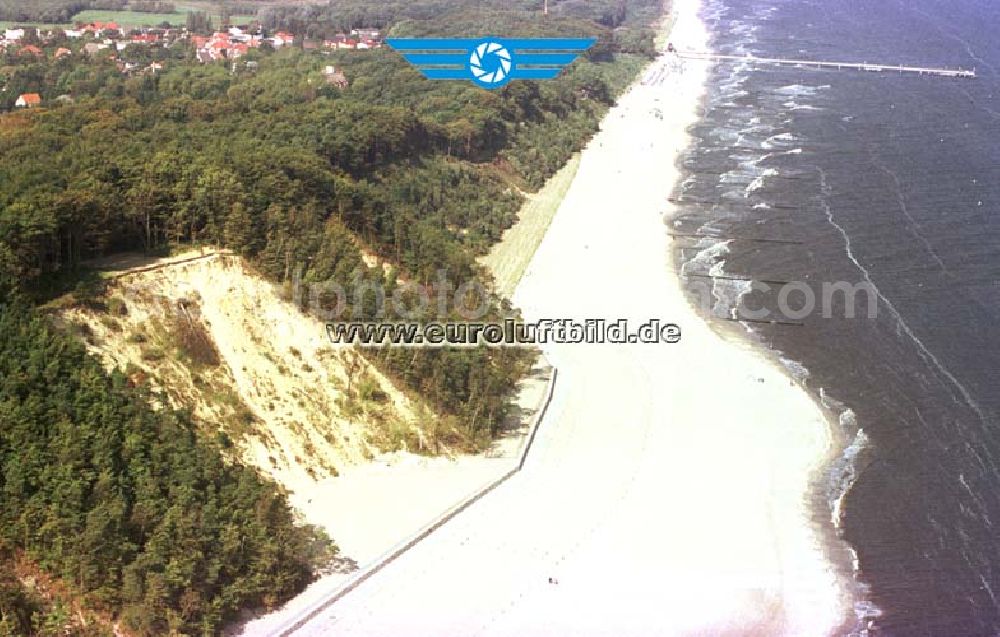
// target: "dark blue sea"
[[890, 180]]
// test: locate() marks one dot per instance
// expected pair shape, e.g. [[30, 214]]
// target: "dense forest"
[[55, 11], [284, 167], [626, 21], [125, 503], [129, 506]]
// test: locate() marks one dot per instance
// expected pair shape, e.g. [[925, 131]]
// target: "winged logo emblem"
[[491, 62]]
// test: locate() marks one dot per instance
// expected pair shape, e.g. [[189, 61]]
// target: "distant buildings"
[[282, 38], [237, 41], [92, 48], [366, 34], [358, 39], [145, 38], [102, 28], [110, 40], [224, 46]]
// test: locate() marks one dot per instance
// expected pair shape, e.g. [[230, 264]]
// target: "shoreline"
[[822, 512]]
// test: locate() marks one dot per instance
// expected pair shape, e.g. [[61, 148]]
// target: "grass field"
[[130, 19], [6, 24], [136, 19]]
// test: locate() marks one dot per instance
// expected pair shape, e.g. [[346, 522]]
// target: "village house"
[[62, 53], [92, 48], [237, 32], [28, 100], [335, 77], [145, 38], [13, 35], [102, 28], [366, 34], [31, 49], [282, 38]]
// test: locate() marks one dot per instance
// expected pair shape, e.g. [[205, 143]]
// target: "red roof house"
[[31, 49], [29, 100]]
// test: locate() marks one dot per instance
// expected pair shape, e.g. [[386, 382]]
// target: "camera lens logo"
[[492, 62]]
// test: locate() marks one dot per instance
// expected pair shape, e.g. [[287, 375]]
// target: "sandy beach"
[[666, 491]]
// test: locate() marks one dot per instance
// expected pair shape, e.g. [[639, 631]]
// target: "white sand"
[[666, 490]]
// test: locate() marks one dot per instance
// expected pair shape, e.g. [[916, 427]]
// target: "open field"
[[125, 18], [136, 19], [130, 18], [7, 24]]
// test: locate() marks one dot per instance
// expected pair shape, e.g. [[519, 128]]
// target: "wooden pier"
[[859, 66]]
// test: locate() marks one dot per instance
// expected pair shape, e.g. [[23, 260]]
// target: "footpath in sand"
[[665, 494]]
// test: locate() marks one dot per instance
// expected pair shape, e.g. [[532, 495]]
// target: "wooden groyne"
[[858, 66]]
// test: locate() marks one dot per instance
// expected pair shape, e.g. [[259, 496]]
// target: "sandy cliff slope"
[[220, 341]]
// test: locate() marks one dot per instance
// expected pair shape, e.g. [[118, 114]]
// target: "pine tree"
[[238, 231]]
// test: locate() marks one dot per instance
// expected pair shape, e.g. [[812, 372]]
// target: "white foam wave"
[[799, 90], [795, 368], [843, 472], [758, 183], [795, 106]]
